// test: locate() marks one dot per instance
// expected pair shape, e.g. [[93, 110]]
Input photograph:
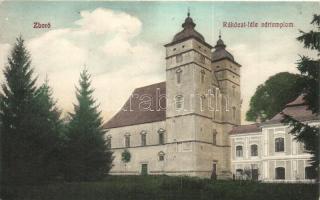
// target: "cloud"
[[107, 43], [103, 21], [260, 61]]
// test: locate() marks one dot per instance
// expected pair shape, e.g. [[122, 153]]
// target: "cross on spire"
[[219, 34]]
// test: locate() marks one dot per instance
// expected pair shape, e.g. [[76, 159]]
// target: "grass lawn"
[[162, 187]]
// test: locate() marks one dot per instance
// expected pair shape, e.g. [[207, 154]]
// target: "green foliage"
[[270, 97], [126, 156], [49, 121], [28, 131], [309, 69], [309, 135], [164, 188], [86, 154]]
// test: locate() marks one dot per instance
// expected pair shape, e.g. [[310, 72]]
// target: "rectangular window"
[[254, 150], [179, 58], [310, 173], [239, 151], [279, 145]]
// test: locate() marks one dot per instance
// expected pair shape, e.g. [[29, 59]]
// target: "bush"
[[162, 188]]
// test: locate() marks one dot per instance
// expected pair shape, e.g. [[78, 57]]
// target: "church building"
[[190, 124], [181, 126]]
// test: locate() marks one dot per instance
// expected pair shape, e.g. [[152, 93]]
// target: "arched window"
[[254, 150], [202, 102], [143, 138], [127, 140], [161, 136], [179, 102], [202, 76], [178, 74], [214, 137], [310, 173], [239, 151], [202, 58], [161, 156], [234, 90], [279, 144], [280, 173]]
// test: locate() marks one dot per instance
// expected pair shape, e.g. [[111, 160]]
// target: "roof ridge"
[[150, 85]]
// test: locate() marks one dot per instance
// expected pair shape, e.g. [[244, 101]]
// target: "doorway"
[[144, 169], [214, 171]]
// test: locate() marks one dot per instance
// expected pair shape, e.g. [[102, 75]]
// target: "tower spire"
[[220, 34], [188, 12]]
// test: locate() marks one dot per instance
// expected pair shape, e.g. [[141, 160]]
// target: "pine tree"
[[28, 121], [51, 125], [87, 157], [309, 69], [18, 143]]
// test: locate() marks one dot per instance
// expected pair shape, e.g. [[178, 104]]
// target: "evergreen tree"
[[309, 69], [87, 157], [28, 130], [17, 117], [51, 126]]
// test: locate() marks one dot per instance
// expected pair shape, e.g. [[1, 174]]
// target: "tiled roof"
[[135, 114], [250, 128], [297, 109]]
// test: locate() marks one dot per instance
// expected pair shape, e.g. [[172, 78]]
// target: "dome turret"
[[220, 51], [188, 31]]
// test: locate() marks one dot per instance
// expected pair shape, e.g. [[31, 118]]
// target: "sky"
[[122, 43]]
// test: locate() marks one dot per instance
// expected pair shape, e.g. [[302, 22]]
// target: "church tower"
[[191, 132], [227, 71]]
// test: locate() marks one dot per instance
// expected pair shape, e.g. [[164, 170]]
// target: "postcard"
[[159, 100]]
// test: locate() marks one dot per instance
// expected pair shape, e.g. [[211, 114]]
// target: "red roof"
[[137, 111], [250, 128]]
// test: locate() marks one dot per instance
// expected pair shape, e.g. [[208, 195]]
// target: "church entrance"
[[144, 169]]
